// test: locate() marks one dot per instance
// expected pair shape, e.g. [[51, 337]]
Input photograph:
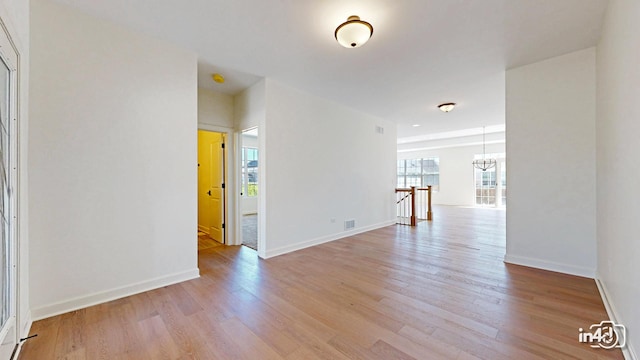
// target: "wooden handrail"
[[411, 192], [402, 199]]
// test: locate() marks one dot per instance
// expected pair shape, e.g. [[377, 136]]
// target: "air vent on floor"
[[349, 224]]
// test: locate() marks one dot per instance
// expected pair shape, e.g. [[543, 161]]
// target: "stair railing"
[[413, 204]]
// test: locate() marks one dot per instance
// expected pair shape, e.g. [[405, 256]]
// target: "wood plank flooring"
[[438, 291]]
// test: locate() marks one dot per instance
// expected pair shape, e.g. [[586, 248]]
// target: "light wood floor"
[[439, 291]]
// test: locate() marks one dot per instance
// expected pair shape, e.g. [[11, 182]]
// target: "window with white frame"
[[487, 184], [419, 172], [249, 171]]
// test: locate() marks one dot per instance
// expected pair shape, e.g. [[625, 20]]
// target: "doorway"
[[211, 186], [8, 201], [250, 187]]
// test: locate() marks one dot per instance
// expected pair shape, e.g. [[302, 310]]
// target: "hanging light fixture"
[[354, 32], [484, 164]]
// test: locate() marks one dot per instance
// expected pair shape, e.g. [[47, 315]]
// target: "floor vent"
[[349, 224]]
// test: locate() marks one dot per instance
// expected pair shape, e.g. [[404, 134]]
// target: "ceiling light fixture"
[[484, 164], [354, 32], [446, 107], [218, 78], [415, 125]]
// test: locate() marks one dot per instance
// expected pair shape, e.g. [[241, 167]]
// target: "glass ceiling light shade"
[[354, 32], [446, 107], [484, 164]]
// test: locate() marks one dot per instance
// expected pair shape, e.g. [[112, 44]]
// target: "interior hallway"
[[440, 290]]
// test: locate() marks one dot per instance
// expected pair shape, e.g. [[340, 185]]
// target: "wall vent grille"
[[349, 224]]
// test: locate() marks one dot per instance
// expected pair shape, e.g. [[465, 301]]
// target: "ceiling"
[[422, 53]]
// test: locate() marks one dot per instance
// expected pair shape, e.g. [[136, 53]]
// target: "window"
[[419, 173], [487, 183], [485, 186], [249, 171]]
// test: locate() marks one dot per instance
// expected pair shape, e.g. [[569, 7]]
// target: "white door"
[[8, 179]]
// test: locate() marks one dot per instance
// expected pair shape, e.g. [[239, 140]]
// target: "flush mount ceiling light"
[[354, 32], [218, 78], [446, 107]]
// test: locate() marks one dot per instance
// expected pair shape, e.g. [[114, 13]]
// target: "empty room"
[[423, 179]]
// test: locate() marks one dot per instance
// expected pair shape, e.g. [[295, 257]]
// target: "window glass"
[[249, 171], [419, 173]]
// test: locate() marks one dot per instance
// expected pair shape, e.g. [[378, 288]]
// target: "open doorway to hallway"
[[250, 184], [211, 187]]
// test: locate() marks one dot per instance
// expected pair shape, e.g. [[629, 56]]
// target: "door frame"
[[228, 213], [261, 189], [12, 60]]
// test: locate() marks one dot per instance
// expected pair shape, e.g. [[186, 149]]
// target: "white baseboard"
[[628, 351], [324, 239], [113, 294], [550, 265], [24, 332]]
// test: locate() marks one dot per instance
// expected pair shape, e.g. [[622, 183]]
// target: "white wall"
[[457, 185], [113, 179], [249, 107], [15, 16], [324, 161], [551, 164], [618, 170], [215, 108]]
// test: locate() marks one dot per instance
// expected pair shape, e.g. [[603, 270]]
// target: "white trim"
[[215, 128], [325, 239], [27, 325], [23, 334], [238, 183], [628, 351], [11, 56], [550, 265], [475, 143], [113, 294], [453, 134]]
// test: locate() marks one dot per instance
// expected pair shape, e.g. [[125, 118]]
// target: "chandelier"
[[484, 164]]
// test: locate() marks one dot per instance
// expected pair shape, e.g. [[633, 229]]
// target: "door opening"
[[8, 202], [211, 186], [250, 187]]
